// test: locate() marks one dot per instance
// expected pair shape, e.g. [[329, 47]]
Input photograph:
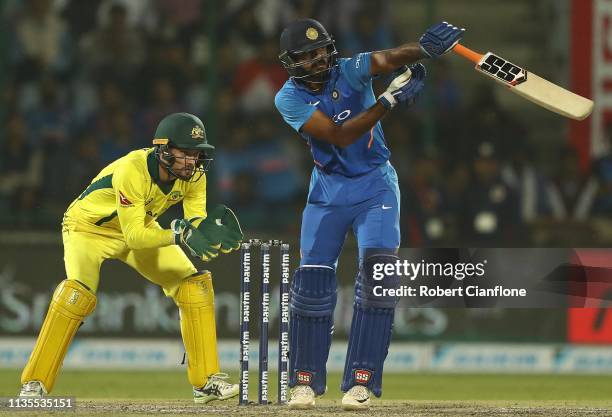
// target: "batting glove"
[[405, 86], [439, 39]]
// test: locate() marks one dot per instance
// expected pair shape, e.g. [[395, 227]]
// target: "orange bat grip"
[[465, 52]]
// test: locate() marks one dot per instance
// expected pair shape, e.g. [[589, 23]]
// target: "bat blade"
[[554, 98], [528, 85]]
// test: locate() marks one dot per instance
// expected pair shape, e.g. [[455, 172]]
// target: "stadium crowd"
[[86, 82]]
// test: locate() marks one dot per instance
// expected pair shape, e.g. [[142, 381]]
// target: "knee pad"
[[71, 303], [196, 301], [313, 291], [371, 327], [312, 302], [365, 283]]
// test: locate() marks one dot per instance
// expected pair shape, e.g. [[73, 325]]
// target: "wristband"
[[388, 100]]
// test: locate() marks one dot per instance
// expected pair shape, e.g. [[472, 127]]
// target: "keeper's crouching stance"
[[115, 218]]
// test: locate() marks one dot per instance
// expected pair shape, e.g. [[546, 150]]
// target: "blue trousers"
[[368, 205]]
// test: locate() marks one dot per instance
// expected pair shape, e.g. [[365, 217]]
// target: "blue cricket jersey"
[[347, 93]]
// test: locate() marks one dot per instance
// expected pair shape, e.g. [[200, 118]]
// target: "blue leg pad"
[[311, 306], [371, 328]]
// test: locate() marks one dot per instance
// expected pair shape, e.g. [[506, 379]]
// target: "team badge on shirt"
[[335, 95], [175, 196], [123, 200]]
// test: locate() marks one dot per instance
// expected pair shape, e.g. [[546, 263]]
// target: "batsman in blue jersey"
[[331, 104]]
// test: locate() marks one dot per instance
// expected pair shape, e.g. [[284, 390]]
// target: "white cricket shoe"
[[33, 389], [302, 398], [217, 388], [357, 398]]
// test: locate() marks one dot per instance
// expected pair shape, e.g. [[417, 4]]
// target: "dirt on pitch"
[[326, 408]]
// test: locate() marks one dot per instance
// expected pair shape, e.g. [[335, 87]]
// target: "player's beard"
[[319, 77], [185, 173], [320, 74]]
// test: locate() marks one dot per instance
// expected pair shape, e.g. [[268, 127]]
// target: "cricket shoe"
[[302, 398], [33, 389], [217, 388], [357, 398]]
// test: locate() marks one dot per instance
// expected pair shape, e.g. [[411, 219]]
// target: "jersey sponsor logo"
[[123, 200], [362, 376], [197, 133], [149, 200], [304, 378], [341, 116], [386, 207], [175, 196], [314, 103], [358, 60]]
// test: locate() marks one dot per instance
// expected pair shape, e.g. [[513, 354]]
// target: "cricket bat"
[[528, 85]]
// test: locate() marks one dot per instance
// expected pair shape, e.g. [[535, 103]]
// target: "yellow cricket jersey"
[[126, 197]]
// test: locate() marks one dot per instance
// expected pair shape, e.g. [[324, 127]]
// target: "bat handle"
[[467, 53]]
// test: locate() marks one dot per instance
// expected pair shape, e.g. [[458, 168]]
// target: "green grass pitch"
[[168, 393]]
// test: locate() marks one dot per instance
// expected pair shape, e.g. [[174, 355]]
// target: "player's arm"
[[436, 41], [306, 118], [388, 60], [136, 235], [129, 186], [320, 126], [194, 203], [404, 88]]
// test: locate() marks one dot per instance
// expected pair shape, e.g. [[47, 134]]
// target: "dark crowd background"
[[85, 82]]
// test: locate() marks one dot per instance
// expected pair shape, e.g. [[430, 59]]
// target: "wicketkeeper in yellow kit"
[[115, 218]]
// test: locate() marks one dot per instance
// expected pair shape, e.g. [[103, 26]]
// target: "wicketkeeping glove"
[[222, 226], [405, 86], [198, 245], [440, 38]]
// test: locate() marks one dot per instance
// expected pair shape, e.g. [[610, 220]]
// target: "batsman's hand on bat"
[[221, 225], [405, 87], [439, 39], [198, 245]]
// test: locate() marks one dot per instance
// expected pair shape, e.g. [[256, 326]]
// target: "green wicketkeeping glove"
[[197, 244], [235, 235], [221, 226]]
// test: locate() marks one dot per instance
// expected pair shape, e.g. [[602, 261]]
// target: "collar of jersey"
[[153, 168]]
